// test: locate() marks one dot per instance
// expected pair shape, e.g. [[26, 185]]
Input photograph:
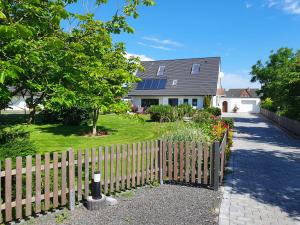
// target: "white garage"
[[241, 100]]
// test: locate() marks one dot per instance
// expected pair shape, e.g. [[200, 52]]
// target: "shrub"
[[163, 113], [206, 101], [268, 104], [15, 142], [185, 110], [214, 111], [202, 117], [229, 122]]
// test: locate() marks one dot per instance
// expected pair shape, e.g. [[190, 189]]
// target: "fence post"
[[216, 164], [71, 180], [160, 162]]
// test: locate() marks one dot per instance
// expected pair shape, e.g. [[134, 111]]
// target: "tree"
[[280, 81], [102, 74], [33, 57]]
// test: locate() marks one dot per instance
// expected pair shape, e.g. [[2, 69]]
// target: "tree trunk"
[[95, 120], [31, 118]]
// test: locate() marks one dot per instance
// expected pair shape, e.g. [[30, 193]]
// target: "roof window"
[[161, 70], [195, 68]]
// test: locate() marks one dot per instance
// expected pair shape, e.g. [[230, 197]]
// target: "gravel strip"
[[166, 204]]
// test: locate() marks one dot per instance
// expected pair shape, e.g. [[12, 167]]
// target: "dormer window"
[[161, 70], [195, 69]]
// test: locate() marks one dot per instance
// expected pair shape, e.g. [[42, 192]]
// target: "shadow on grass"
[[82, 130]]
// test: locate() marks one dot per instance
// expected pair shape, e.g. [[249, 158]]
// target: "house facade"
[[178, 81], [243, 100]]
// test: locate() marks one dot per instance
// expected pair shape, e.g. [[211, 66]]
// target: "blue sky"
[[240, 32]]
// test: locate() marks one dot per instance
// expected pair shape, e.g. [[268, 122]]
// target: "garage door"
[[248, 106]]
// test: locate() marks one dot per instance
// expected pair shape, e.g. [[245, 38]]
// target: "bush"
[[163, 113], [185, 110], [202, 117], [73, 116], [15, 142], [214, 111], [229, 122], [268, 104]]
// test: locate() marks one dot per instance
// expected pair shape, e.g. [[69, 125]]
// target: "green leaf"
[[2, 16]]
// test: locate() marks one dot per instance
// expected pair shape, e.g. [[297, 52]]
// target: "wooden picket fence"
[[46, 182]]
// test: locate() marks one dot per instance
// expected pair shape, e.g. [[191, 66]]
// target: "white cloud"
[[163, 41], [161, 47], [289, 6], [248, 5], [238, 80], [142, 57]]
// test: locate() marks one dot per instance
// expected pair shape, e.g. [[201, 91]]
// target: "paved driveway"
[[264, 186]]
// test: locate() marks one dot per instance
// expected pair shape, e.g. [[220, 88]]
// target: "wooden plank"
[[63, 178], [28, 185], [8, 188], [100, 151], [187, 162], [55, 180], [118, 164], [147, 161], [71, 202], [86, 173], [160, 161], [19, 187], [106, 170], [138, 169], [151, 160], [143, 163], [164, 148], [210, 168], [38, 182], [47, 181], [133, 172], [181, 166], [1, 219], [123, 172], [222, 165], [156, 160], [112, 167], [128, 167], [193, 165], [205, 166], [93, 161], [175, 161], [199, 169], [79, 175], [170, 161]]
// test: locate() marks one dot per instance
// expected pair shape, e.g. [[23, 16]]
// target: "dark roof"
[[242, 93], [204, 83]]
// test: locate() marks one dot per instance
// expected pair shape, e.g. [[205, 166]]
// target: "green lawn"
[[122, 130]]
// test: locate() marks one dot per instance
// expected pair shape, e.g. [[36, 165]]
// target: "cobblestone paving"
[[263, 186]]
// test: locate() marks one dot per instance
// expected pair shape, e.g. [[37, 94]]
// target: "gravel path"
[[167, 204]]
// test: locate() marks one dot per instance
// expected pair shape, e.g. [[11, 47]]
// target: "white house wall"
[[164, 100], [251, 105]]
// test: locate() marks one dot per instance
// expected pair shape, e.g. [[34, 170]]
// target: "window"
[[161, 70], [174, 82], [195, 102], [186, 101], [195, 68], [173, 101], [148, 102]]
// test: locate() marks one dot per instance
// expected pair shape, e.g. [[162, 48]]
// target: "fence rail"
[[291, 125], [39, 183]]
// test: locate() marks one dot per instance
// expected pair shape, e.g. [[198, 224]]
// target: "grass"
[[122, 130]]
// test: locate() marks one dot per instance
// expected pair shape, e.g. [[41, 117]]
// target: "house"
[[177, 81], [244, 100]]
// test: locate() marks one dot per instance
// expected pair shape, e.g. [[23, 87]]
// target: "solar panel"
[[140, 85], [152, 84], [155, 83], [162, 84], [148, 83]]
